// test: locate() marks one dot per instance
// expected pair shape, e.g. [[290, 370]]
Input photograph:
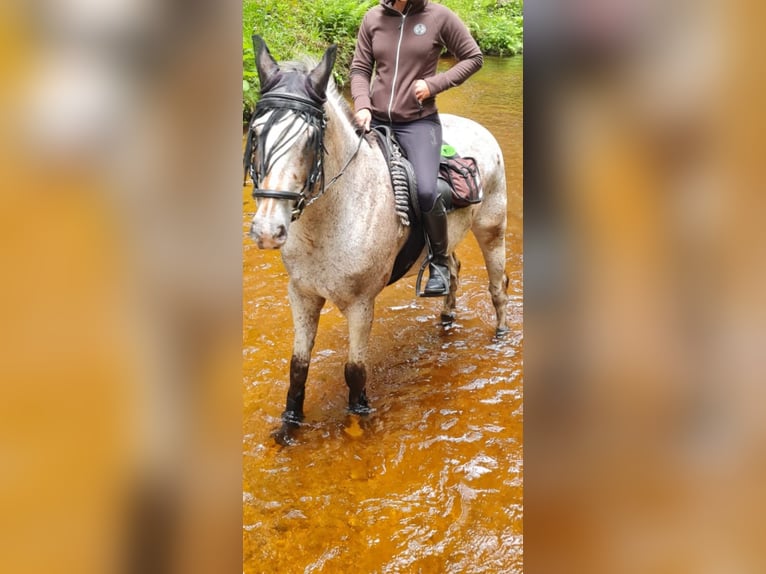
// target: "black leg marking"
[[299, 372], [293, 414], [356, 379]]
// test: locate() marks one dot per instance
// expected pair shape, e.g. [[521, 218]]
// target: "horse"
[[339, 239]]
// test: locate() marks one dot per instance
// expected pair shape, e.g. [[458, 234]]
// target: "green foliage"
[[338, 19], [293, 28], [338, 23], [497, 25], [296, 27]]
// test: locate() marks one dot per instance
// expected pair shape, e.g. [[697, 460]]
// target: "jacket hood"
[[414, 5]]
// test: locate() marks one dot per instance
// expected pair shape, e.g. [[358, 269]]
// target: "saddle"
[[458, 183]]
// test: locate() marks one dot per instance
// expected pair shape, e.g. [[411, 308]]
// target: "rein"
[[343, 169], [314, 116]]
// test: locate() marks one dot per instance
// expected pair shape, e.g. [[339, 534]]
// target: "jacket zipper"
[[396, 67]]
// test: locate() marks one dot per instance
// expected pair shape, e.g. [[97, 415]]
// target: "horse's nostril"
[[281, 232]]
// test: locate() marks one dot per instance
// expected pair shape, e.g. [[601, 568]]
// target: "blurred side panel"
[[120, 311], [645, 320]]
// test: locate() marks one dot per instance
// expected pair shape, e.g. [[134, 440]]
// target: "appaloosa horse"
[[339, 239]]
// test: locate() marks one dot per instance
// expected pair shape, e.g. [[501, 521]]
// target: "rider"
[[400, 42]]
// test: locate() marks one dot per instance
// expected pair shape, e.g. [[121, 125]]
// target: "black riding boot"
[[435, 224]]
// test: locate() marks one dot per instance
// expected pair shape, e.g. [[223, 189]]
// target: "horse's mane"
[[339, 103]]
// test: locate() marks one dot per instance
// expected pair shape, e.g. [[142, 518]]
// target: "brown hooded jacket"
[[400, 48]]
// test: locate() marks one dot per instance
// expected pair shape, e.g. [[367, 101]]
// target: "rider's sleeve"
[[458, 40], [361, 67]]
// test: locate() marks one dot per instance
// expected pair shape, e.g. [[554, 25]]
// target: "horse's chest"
[[336, 272], [318, 265]]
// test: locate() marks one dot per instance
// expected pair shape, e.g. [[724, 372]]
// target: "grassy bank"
[[294, 27]]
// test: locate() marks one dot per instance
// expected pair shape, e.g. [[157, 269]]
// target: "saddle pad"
[[402, 175]]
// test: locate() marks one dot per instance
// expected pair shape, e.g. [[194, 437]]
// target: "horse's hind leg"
[[359, 316], [491, 239], [450, 301], [305, 309]]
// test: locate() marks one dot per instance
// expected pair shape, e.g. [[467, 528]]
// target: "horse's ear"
[[265, 64], [320, 76]]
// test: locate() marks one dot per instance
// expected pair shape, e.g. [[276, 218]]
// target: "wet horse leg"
[[305, 309], [359, 316], [491, 239], [448, 311]]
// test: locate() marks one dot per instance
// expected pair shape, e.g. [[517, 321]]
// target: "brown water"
[[432, 480]]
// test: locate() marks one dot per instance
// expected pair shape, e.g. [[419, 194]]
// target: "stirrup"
[[421, 292]]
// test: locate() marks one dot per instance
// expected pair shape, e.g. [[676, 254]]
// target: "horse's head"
[[284, 151]]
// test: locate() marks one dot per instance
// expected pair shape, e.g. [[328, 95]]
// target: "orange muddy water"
[[431, 481]]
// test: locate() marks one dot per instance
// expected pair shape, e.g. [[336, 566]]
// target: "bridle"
[[259, 161]]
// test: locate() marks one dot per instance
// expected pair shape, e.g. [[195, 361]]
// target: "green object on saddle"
[[448, 151]]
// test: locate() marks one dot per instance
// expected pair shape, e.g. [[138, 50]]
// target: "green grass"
[[295, 27]]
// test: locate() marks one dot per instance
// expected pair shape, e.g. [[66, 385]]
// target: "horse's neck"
[[357, 165], [358, 205], [341, 141], [356, 180]]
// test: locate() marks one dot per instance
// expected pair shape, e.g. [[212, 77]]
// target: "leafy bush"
[[338, 23], [497, 25]]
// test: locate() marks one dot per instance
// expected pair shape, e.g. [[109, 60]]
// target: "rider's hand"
[[421, 90], [363, 118]]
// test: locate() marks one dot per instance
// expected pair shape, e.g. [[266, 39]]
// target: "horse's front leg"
[[359, 316], [305, 309]]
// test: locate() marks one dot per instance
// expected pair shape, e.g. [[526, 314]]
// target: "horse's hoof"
[[502, 332], [292, 418], [361, 409], [285, 435], [447, 318], [358, 405]]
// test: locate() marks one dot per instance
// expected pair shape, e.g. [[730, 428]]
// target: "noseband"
[[259, 161]]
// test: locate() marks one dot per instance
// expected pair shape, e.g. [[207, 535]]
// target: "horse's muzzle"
[[267, 237]]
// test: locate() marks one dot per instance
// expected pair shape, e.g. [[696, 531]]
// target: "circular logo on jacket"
[[419, 29]]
